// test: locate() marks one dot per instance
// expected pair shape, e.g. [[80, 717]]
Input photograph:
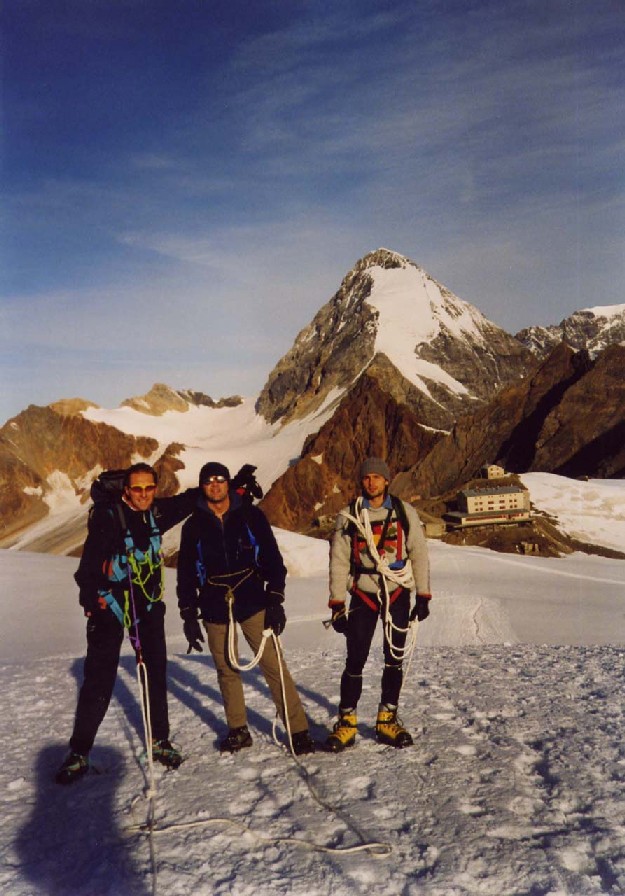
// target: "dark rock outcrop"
[[367, 422], [567, 417], [584, 435]]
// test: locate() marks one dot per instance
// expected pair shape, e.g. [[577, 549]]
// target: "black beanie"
[[213, 468]]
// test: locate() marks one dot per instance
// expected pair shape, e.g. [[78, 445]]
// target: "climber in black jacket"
[[230, 571]]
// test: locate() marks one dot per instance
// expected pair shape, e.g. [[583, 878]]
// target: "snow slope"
[[515, 784], [592, 511], [232, 435], [411, 312]]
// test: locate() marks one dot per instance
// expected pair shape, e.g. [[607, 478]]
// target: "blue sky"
[[185, 183]]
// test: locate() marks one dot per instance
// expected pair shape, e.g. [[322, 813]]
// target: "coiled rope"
[[403, 578]]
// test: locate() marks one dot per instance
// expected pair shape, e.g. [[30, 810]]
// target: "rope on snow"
[[377, 849]]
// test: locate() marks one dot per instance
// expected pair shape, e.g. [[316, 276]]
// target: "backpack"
[[108, 489], [245, 484]]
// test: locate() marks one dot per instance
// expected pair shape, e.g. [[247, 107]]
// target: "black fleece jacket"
[[239, 552]]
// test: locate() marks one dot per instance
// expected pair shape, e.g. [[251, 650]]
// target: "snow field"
[[515, 783]]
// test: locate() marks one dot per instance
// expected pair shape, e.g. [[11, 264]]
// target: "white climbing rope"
[[150, 794], [232, 649], [377, 849], [403, 578]]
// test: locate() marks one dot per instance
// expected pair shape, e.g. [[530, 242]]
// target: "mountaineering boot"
[[389, 729], [235, 740], [74, 766], [166, 754], [344, 732], [302, 743]]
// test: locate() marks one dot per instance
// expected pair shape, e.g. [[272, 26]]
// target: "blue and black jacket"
[[103, 572], [236, 555]]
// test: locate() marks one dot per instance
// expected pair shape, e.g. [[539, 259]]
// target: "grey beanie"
[[375, 465]]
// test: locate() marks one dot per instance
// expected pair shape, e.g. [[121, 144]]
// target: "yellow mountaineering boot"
[[344, 732], [389, 729]]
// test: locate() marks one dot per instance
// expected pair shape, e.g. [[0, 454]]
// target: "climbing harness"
[[402, 577], [377, 849], [138, 567]]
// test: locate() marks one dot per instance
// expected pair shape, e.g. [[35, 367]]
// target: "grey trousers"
[[229, 679]]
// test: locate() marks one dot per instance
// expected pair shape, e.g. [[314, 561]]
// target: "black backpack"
[[108, 487], [245, 484]]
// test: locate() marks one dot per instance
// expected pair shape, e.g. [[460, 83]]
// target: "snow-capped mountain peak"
[[442, 349]]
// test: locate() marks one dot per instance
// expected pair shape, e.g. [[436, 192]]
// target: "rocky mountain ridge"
[[162, 398], [46, 452], [591, 330], [394, 364], [549, 421]]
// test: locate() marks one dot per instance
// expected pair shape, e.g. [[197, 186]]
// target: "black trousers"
[[361, 623], [104, 640]]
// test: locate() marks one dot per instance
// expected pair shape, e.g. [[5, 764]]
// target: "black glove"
[[89, 601], [421, 609], [192, 629], [275, 617], [339, 619]]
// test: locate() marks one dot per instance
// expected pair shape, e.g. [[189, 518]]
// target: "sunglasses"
[[140, 489], [210, 479]]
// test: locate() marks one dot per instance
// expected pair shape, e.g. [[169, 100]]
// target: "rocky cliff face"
[[435, 352], [584, 435], [367, 422], [44, 451], [567, 417], [591, 330]]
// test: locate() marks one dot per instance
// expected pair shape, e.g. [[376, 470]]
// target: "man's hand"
[[339, 619], [275, 618], [192, 629], [90, 601], [421, 609]]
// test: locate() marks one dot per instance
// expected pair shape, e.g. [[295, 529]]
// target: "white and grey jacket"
[[350, 560]]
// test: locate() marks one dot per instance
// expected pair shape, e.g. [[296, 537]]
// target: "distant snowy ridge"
[[393, 359], [591, 329]]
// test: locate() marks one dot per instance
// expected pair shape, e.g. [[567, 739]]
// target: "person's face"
[[140, 491], [215, 489], [373, 485]]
